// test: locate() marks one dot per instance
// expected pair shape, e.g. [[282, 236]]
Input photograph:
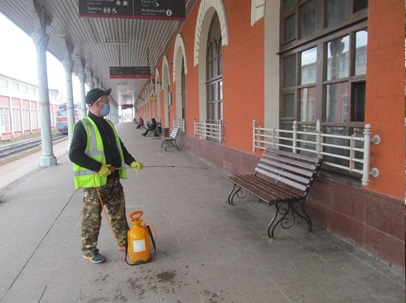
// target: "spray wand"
[[112, 168]]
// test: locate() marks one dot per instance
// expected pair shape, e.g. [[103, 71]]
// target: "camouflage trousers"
[[112, 195]]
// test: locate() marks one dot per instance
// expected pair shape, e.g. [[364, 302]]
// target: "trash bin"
[[165, 132], [159, 127]]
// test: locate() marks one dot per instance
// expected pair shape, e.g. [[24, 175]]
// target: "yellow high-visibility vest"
[[94, 149]]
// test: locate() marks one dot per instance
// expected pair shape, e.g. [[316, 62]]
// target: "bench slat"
[[265, 191], [172, 136], [273, 187], [298, 167], [286, 172], [174, 132], [292, 155], [278, 178], [256, 191]]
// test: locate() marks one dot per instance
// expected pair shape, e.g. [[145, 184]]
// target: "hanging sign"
[[150, 9], [131, 72]]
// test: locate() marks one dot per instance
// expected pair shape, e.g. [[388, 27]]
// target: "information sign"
[[152, 9], [131, 72]]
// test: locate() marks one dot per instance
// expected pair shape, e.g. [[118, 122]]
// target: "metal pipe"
[[163, 166]]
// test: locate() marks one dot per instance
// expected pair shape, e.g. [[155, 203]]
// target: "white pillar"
[[40, 39], [68, 65], [90, 83], [82, 79]]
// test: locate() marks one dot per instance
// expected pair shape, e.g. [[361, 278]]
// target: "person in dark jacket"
[[95, 150], [151, 127]]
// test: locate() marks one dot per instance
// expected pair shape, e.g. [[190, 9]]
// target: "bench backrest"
[[292, 169], [174, 133]]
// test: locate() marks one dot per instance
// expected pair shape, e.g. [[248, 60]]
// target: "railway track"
[[15, 148]]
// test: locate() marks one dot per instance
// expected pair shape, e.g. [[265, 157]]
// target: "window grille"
[[349, 153], [209, 131]]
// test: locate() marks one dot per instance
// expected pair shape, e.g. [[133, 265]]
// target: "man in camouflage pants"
[[114, 202], [96, 149]]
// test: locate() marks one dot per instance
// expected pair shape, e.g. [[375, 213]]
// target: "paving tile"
[[341, 288], [352, 266], [381, 287], [272, 294], [362, 300], [306, 293], [289, 277], [253, 280]]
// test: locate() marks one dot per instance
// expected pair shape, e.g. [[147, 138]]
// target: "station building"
[[241, 75], [319, 77], [19, 108]]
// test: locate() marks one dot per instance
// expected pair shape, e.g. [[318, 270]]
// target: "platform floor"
[[208, 251]]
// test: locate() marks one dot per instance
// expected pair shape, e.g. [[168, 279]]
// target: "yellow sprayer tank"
[[140, 240]]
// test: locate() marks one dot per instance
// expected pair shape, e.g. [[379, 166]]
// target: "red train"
[[62, 118]]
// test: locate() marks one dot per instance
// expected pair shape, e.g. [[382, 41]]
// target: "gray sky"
[[18, 59]]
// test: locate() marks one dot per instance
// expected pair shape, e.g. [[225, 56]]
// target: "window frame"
[[321, 45], [319, 39], [214, 76]]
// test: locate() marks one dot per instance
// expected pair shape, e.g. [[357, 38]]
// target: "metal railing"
[[350, 153], [209, 131], [180, 124]]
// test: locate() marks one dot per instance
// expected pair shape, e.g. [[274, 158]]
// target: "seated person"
[[140, 122], [151, 127]]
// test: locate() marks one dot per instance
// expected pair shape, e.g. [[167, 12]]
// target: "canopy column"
[[40, 39]]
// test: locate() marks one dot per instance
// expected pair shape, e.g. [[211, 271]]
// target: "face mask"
[[106, 109]]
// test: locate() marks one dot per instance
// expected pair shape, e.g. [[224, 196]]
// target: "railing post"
[[273, 137], [253, 136], [352, 153], [318, 138], [367, 144], [194, 126], [220, 130], [294, 137]]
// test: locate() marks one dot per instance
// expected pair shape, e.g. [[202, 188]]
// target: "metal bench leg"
[[231, 196], [303, 215], [237, 190], [283, 220]]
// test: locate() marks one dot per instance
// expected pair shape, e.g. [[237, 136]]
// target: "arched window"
[[323, 57], [214, 73], [183, 90]]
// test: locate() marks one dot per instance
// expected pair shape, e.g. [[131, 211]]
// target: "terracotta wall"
[[243, 74], [385, 90]]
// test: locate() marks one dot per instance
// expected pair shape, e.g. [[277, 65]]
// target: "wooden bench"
[[282, 178], [171, 140]]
